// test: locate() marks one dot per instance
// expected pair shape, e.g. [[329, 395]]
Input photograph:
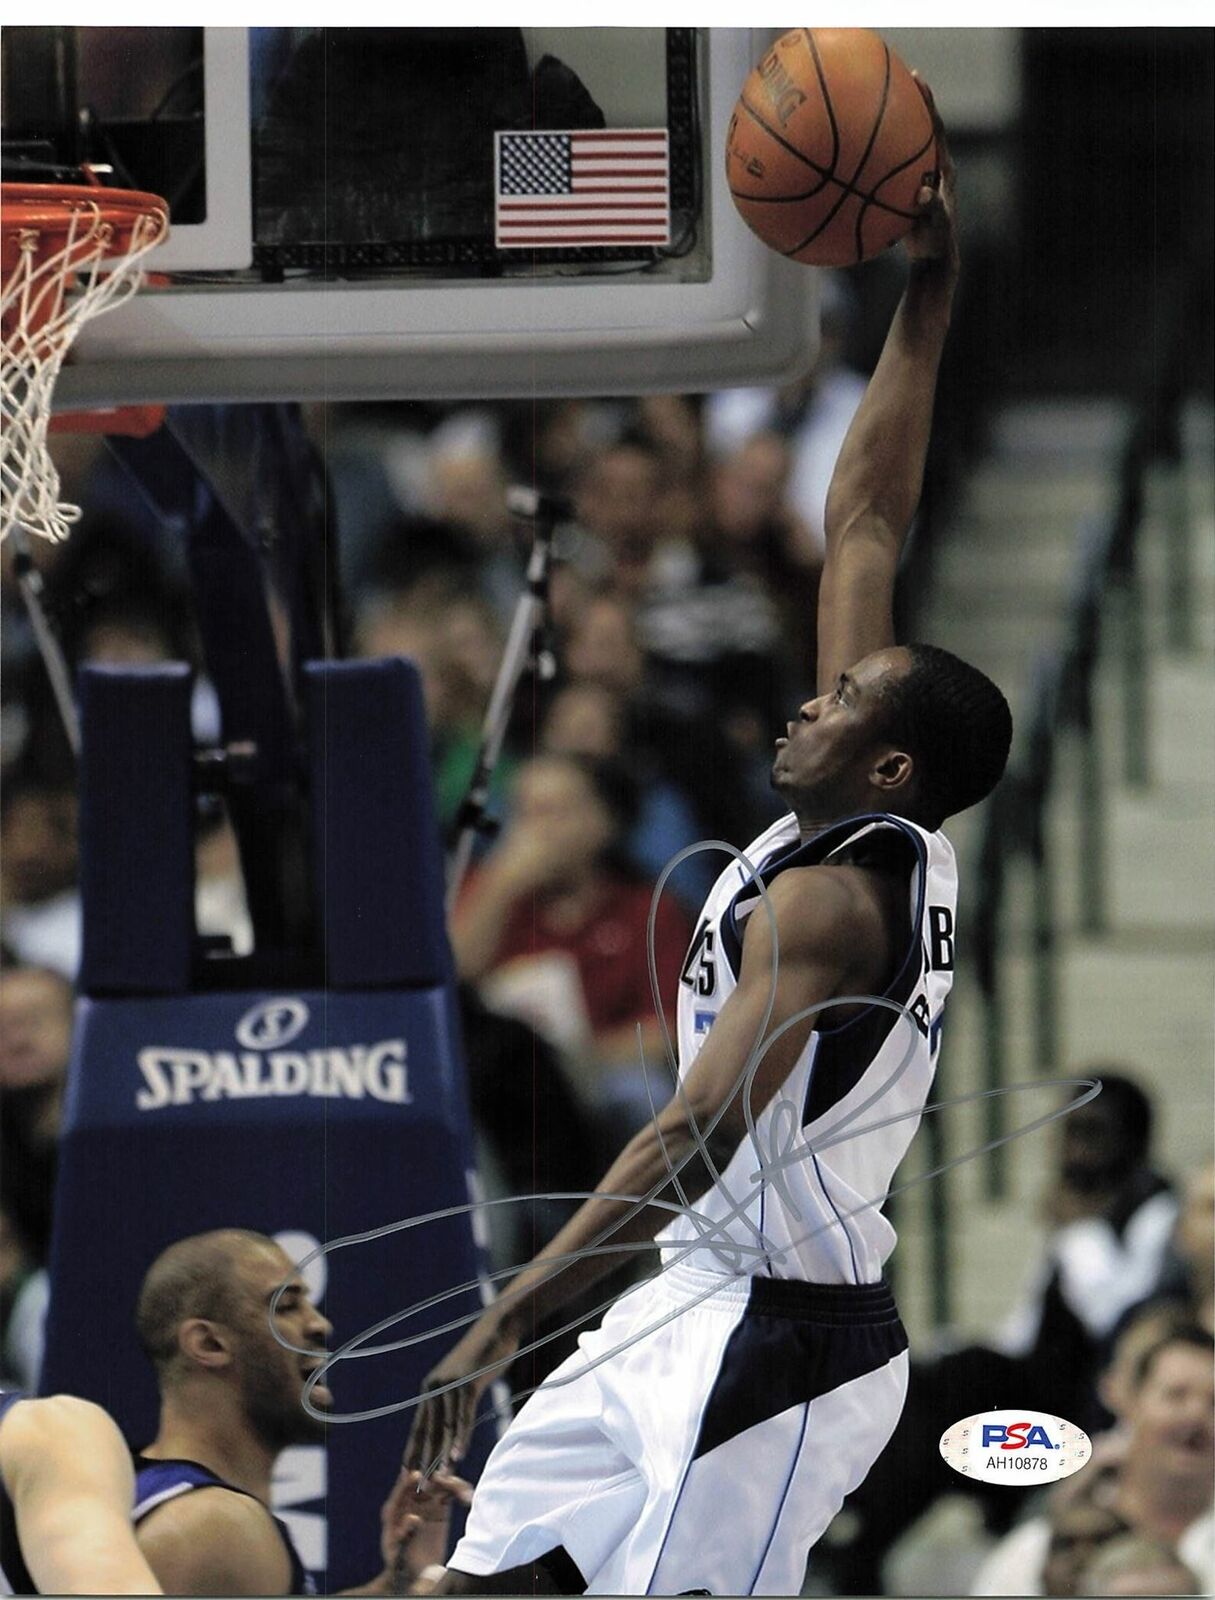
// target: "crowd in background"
[[681, 625]]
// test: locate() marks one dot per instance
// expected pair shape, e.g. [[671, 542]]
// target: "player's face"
[[1172, 1412], [272, 1377], [824, 761]]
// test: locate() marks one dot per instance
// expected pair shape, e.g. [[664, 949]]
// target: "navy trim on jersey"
[[795, 1342], [840, 1062], [157, 1482]]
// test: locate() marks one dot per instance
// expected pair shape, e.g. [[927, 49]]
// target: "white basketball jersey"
[[801, 1199]]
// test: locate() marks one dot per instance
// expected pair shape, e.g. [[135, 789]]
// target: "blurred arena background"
[[1066, 545]]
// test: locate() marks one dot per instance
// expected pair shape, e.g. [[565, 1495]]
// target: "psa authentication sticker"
[[1015, 1447]]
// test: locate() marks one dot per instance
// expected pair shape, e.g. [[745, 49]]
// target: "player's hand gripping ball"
[[830, 143]]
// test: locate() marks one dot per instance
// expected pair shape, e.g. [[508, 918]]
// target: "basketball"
[[828, 146]]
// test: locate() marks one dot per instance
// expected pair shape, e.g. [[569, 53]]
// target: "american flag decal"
[[584, 187]]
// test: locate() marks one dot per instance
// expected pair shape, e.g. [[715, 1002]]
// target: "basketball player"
[[230, 1402], [745, 1391], [66, 1490]]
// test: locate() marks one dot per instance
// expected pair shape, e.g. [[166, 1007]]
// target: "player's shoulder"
[[213, 1507], [78, 1424], [823, 902], [215, 1534]]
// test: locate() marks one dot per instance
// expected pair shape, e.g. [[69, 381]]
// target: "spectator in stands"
[[553, 928], [1133, 1565], [619, 498], [1078, 1530], [548, 442], [590, 719], [35, 1043], [15, 1268], [812, 414], [450, 632], [39, 900], [755, 532], [601, 646], [1139, 1332], [1110, 1216], [1158, 1482], [465, 488], [671, 424], [1187, 1274]]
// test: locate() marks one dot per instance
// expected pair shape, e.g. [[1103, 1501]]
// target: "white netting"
[[55, 280]]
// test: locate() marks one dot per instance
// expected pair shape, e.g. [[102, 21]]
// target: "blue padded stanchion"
[[136, 829], [381, 910]]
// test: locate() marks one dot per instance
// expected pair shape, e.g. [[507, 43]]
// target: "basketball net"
[[67, 254]]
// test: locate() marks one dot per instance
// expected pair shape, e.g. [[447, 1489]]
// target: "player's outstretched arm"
[[879, 474], [72, 1485]]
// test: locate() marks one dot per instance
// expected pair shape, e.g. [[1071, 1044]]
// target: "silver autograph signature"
[[733, 1254]]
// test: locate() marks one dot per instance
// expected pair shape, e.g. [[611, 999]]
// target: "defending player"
[[230, 1402], [66, 1490], [745, 1391]]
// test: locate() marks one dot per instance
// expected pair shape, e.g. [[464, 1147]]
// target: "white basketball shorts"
[[707, 1453]]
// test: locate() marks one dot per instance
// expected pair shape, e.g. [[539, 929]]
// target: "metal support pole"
[[1094, 915], [1126, 590], [1047, 1051], [544, 512], [29, 581], [1171, 483]]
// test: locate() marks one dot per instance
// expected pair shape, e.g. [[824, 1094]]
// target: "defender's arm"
[[879, 474], [70, 1478]]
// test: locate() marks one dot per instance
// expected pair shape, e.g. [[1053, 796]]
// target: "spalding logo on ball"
[[828, 147]]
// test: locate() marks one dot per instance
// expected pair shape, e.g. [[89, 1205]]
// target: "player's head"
[[204, 1320], [911, 730]]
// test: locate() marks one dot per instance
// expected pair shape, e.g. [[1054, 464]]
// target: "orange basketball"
[[829, 144]]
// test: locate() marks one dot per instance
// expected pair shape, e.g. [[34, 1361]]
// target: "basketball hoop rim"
[[47, 209]]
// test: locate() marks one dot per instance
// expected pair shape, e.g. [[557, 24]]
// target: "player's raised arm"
[[877, 480]]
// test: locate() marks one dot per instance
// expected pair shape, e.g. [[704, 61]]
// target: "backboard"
[[337, 229]]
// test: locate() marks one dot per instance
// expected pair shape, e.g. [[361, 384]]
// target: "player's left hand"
[[934, 236], [444, 1422], [413, 1525]]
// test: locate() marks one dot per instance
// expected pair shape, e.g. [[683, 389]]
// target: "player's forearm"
[[880, 470], [647, 1160]]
